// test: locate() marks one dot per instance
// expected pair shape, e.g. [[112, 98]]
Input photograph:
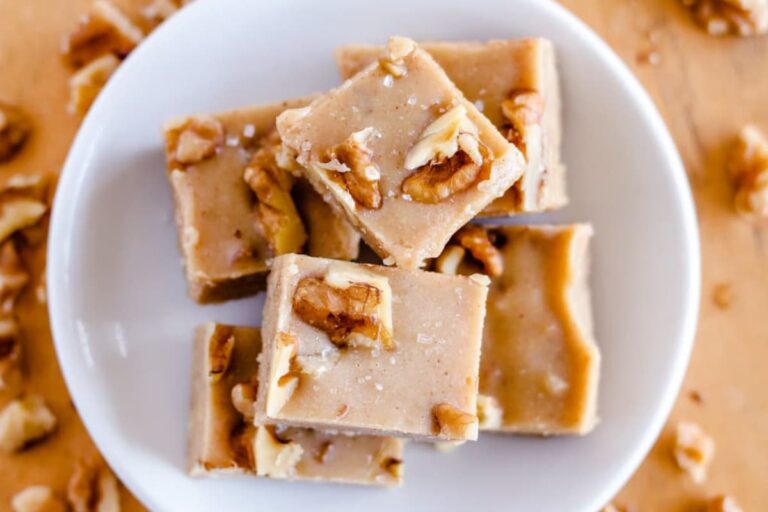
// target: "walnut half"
[[452, 423], [447, 159], [749, 169], [24, 421], [14, 130], [350, 165], [722, 17]]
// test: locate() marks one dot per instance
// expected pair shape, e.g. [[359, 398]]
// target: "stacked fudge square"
[[463, 327]]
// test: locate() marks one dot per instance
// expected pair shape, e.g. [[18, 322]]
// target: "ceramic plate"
[[123, 323]]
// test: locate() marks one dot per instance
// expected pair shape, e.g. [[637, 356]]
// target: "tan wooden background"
[[706, 89]]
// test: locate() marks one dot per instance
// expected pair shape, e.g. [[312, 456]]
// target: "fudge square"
[[515, 84], [223, 438], [371, 349], [402, 153], [233, 204], [540, 363]]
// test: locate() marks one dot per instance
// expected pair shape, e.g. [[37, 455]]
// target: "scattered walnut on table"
[[693, 450], [106, 29], [449, 421], [748, 166], [158, 11], [351, 165], [86, 84], [275, 457], [723, 503], [448, 159], [93, 488], [722, 295], [37, 498], [722, 17], [189, 140], [24, 421], [15, 128]]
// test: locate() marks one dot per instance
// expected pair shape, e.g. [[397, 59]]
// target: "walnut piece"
[[693, 450], [448, 262], [453, 423], [86, 84], [723, 503], [93, 488], [522, 111], [351, 165], [190, 140], [749, 169], [447, 159], [24, 421], [275, 457], [104, 30], [37, 498], [10, 353], [241, 442], [160, 10], [477, 240], [222, 343], [13, 277], [393, 60], [280, 221], [722, 17], [353, 307], [392, 467], [243, 398], [15, 127], [17, 212], [489, 412], [284, 379]]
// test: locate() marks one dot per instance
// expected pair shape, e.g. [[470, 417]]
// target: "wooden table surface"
[[706, 88]]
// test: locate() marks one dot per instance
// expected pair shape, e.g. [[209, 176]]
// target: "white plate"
[[123, 323]]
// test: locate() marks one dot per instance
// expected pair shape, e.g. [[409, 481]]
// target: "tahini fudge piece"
[[371, 349], [224, 439], [402, 153], [540, 363], [233, 204], [515, 84]]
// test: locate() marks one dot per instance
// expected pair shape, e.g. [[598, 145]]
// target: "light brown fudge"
[[540, 363], [515, 84], [224, 440], [223, 223], [330, 234], [400, 151], [371, 349]]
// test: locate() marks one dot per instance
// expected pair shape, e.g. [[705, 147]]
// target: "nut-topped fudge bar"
[[371, 349], [234, 208], [540, 363], [515, 84], [402, 153], [224, 439]]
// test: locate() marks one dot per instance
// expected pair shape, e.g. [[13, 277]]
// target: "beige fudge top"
[[220, 435], [540, 363], [395, 112], [488, 74], [423, 385], [224, 249]]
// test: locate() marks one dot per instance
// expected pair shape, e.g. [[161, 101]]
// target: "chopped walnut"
[[10, 353], [351, 165], [448, 262], [447, 159], [93, 488], [477, 240], [393, 467], [86, 84], [191, 140], [18, 212], [722, 17], [14, 130], [104, 30], [222, 343], [723, 503], [160, 10], [37, 498], [489, 412], [275, 457], [24, 421], [284, 379], [522, 110], [280, 221], [13, 277], [693, 450], [244, 398], [393, 60], [749, 168], [451, 422], [353, 307]]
